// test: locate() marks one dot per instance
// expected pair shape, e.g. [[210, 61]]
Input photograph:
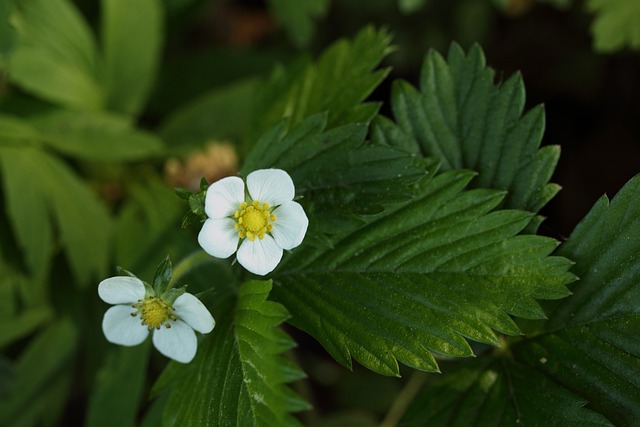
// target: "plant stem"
[[187, 264], [405, 397]]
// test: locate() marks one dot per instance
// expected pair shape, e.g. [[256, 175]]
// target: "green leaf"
[[132, 35], [495, 391], [238, 376], [95, 136], [119, 387], [54, 191], [297, 17], [590, 343], [42, 383], [615, 25], [462, 117], [422, 277], [56, 58], [341, 79]]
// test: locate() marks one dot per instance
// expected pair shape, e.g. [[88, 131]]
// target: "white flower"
[[136, 314], [267, 220]]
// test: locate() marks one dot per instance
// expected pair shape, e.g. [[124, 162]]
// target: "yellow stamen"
[[253, 220], [154, 312]]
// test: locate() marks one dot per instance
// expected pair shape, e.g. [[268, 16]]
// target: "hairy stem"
[[187, 264], [404, 399]]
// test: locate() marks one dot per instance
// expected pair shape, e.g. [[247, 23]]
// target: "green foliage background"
[[426, 175]]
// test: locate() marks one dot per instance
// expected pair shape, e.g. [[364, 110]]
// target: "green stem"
[[187, 264], [404, 398]]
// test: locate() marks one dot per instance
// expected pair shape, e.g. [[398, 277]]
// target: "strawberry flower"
[[263, 221], [138, 312]]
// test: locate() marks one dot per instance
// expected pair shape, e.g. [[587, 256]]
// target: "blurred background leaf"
[[615, 25], [132, 39]]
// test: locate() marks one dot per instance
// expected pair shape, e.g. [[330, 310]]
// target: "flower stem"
[[404, 398], [187, 264]]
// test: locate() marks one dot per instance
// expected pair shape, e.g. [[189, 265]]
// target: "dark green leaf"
[[238, 376], [421, 278], [216, 115], [340, 177], [462, 117], [590, 343], [7, 33], [341, 79], [495, 391], [132, 37]]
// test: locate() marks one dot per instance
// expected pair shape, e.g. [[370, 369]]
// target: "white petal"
[[120, 327], [224, 197], [290, 225], [191, 310], [121, 290], [177, 342], [218, 237], [272, 186], [260, 256]]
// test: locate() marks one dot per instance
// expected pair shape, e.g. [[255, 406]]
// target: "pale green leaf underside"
[[58, 62], [421, 277], [37, 187], [461, 117], [132, 49], [615, 25], [498, 392], [590, 344], [238, 377]]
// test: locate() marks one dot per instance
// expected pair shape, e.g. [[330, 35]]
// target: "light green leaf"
[[95, 136], [29, 210], [341, 79], [462, 117], [615, 25], [297, 17], [119, 387], [422, 277], [42, 383], [54, 191], [495, 391], [56, 57], [132, 38], [238, 376], [590, 344]]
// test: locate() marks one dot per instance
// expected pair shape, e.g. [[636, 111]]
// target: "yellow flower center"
[[253, 220], [154, 312]]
